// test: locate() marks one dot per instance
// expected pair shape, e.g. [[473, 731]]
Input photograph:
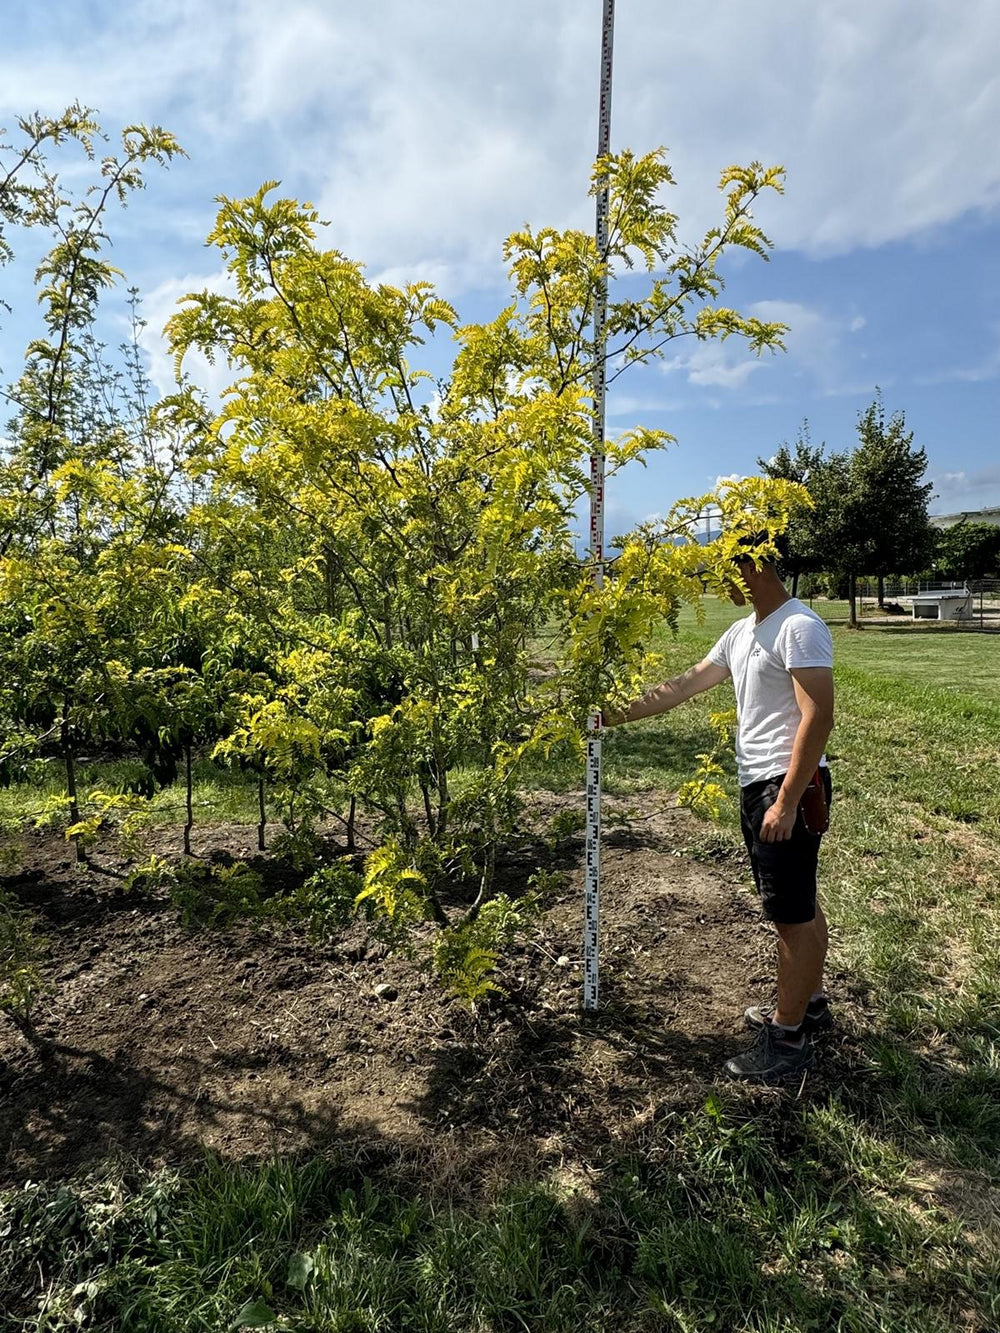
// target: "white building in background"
[[969, 516]]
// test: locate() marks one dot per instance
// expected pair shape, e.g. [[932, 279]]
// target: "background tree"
[[888, 492], [869, 511], [81, 499], [799, 545], [968, 551]]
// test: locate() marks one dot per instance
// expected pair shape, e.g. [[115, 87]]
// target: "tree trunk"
[[407, 828], [189, 803], [431, 821], [795, 584], [881, 592], [69, 758], [387, 620], [441, 776], [330, 581], [437, 911], [485, 883], [352, 812], [261, 844], [852, 597]]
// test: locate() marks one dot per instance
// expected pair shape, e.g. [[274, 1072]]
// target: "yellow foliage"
[[376, 579], [393, 885]]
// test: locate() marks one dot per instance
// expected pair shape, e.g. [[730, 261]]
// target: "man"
[[781, 661]]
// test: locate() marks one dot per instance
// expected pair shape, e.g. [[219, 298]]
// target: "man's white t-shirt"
[[759, 657]]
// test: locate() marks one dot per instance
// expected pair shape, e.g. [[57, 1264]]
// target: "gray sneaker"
[[770, 1058], [818, 1017]]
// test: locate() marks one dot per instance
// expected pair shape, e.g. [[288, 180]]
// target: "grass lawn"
[[873, 1210]]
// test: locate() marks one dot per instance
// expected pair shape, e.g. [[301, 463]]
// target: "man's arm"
[[814, 695], [671, 693]]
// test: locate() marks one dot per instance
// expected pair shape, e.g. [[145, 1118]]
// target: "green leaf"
[[255, 1314], [300, 1268]]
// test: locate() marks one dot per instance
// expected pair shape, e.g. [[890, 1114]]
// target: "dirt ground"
[[158, 1042]]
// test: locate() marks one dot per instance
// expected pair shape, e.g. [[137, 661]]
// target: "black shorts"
[[784, 872]]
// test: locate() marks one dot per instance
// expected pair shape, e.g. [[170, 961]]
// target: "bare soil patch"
[[159, 1042]]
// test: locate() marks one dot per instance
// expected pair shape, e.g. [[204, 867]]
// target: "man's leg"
[[781, 1048], [821, 924], [786, 876], [801, 955], [824, 937]]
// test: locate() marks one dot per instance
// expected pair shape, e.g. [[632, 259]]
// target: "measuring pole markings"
[[592, 903], [592, 892]]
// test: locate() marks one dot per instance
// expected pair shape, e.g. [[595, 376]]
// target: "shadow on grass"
[[906, 1089], [661, 753]]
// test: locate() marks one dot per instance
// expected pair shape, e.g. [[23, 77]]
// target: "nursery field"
[[216, 1125]]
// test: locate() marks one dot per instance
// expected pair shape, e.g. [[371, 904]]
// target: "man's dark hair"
[[752, 541]]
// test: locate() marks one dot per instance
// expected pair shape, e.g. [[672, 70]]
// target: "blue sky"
[[425, 133]]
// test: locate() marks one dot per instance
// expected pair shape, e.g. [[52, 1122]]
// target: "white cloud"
[[157, 307], [815, 347], [732, 376], [714, 364], [430, 147], [624, 406], [812, 338], [816, 344], [955, 492], [858, 323], [426, 133], [765, 400], [883, 115], [438, 274]]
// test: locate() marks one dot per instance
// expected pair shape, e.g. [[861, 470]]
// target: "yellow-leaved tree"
[[400, 550]]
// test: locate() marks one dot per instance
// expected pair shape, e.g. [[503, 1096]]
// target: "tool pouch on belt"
[[815, 814]]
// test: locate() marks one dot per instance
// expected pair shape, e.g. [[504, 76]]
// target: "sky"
[[425, 133]]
